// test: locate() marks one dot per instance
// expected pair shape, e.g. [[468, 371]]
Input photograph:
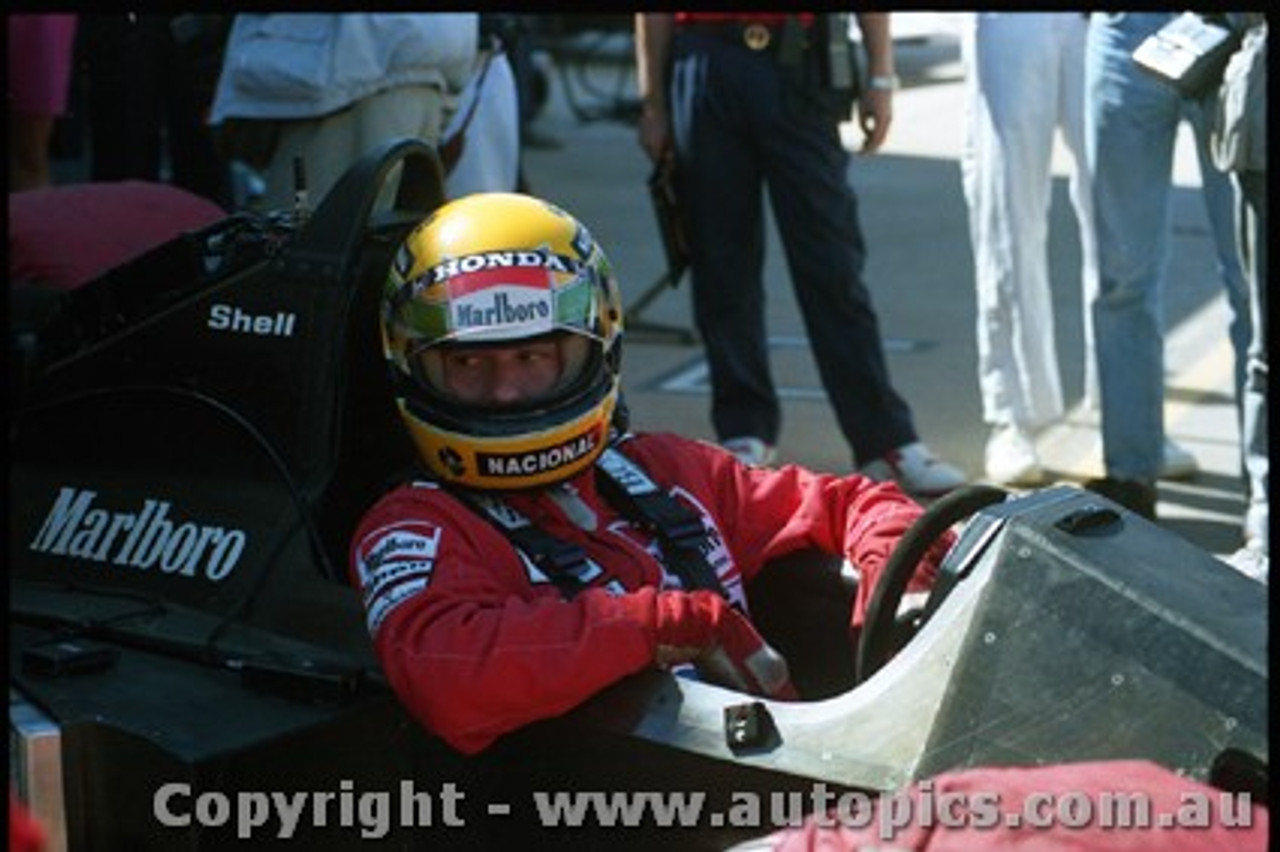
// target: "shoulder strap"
[[565, 563], [679, 529]]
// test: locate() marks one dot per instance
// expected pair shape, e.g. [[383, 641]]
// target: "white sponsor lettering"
[[498, 260], [236, 320], [381, 607], [525, 464], [501, 512], [394, 564], [145, 539], [716, 552], [626, 473], [396, 571]]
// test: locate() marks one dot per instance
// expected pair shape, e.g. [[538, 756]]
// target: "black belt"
[[753, 35]]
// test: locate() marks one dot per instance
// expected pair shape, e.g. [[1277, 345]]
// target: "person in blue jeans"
[[1131, 125], [735, 99]]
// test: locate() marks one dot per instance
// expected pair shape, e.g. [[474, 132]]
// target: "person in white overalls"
[[488, 115], [1024, 80]]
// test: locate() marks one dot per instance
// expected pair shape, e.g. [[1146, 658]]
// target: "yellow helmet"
[[497, 269]]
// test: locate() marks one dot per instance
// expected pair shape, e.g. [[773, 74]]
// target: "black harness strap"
[[565, 563], [678, 529]]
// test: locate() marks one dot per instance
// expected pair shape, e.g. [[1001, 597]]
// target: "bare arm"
[[875, 109], [654, 34]]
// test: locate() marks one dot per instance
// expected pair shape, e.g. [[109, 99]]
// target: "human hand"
[[875, 114], [701, 628], [873, 555], [932, 560], [654, 133]]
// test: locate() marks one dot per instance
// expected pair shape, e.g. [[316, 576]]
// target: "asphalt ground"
[[919, 271]]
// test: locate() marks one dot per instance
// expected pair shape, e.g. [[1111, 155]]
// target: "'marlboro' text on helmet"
[[494, 269]]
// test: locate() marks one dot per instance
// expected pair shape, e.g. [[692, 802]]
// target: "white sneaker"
[[1011, 457], [1177, 462], [751, 451], [916, 470], [1252, 560]]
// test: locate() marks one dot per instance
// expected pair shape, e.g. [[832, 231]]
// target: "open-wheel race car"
[[194, 436]]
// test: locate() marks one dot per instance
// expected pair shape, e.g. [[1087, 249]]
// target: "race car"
[[195, 433]]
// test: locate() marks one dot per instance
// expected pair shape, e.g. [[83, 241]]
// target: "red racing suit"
[[477, 641]]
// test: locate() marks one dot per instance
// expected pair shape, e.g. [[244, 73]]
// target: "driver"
[[542, 551]]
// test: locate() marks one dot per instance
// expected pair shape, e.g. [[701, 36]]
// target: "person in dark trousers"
[[150, 82], [742, 102]]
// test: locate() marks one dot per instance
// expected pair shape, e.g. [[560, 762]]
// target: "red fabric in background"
[[1167, 792], [25, 834], [41, 53], [64, 236], [767, 18]]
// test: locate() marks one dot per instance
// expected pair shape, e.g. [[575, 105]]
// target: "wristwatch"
[[882, 82]]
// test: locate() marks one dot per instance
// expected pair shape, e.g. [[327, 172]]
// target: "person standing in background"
[[329, 88], [1131, 126], [41, 51], [151, 81], [1024, 80], [481, 145], [745, 101], [1240, 149]]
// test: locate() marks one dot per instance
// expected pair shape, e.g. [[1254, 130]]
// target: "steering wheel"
[[876, 645]]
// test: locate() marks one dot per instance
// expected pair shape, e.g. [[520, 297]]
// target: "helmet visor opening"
[[513, 374]]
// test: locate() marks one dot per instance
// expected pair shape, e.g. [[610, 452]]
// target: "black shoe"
[[1135, 495]]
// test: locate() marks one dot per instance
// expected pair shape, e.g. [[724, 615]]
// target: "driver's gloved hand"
[[922, 579], [703, 629], [933, 557]]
